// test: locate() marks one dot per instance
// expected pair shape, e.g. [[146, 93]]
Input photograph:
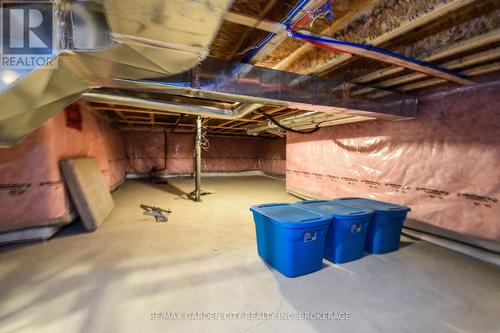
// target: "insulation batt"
[[444, 164], [272, 157], [32, 192], [145, 151]]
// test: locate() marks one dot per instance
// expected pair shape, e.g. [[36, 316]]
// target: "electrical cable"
[[285, 21], [205, 144], [318, 13], [246, 50], [277, 123], [270, 6], [321, 12], [327, 40]]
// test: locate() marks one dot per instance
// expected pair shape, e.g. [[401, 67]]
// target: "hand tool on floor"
[[160, 214]]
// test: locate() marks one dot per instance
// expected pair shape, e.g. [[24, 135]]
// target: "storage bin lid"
[[334, 209], [375, 205], [290, 216]]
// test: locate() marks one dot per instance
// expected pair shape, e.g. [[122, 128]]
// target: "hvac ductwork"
[[223, 81], [126, 45], [100, 40], [239, 111]]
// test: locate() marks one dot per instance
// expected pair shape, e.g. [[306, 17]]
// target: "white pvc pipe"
[[474, 252]]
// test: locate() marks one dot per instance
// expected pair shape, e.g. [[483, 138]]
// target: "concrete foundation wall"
[[444, 164], [32, 192]]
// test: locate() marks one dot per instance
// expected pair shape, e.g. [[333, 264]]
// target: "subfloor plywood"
[[204, 260]]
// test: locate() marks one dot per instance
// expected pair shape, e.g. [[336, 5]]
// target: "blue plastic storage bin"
[[291, 239], [384, 231], [346, 237]]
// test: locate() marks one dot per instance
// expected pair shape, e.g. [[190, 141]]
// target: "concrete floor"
[[204, 260]]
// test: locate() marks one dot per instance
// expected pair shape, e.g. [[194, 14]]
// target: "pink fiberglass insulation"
[[443, 164], [272, 156], [180, 152], [145, 151], [32, 192], [225, 154]]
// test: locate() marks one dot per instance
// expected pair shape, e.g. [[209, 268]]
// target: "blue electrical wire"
[[374, 49]]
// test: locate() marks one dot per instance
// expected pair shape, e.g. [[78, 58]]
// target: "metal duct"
[[303, 121], [195, 110], [126, 45], [219, 80], [101, 40]]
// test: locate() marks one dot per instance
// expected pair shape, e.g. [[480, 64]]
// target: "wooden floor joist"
[[257, 25], [238, 120], [484, 69], [133, 117], [259, 117], [381, 55], [162, 123], [280, 36], [469, 60], [125, 114], [404, 28], [253, 22], [472, 59], [358, 9], [125, 111], [465, 46], [120, 114]]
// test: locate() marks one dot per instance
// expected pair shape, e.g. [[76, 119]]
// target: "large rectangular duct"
[[220, 80]]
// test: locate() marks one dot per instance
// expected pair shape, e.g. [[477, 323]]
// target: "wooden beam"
[[465, 46], [472, 59], [489, 68], [469, 60], [105, 117], [282, 35], [357, 9], [485, 69], [239, 120], [147, 122], [242, 39], [229, 130], [147, 111], [136, 117], [241, 135], [271, 111], [380, 55], [406, 26], [227, 122], [253, 22], [120, 114]]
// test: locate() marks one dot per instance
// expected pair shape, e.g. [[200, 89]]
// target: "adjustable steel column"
[[197, 194]]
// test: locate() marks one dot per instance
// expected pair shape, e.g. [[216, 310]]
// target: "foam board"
[[88, 190]]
